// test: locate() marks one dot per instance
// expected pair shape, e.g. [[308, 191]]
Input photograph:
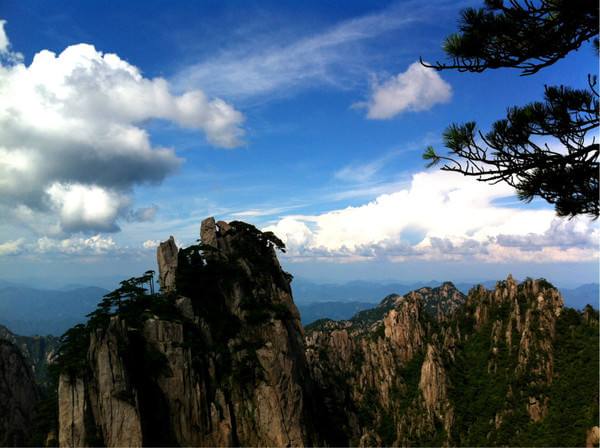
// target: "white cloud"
[[418, 88], [441, 216], [359, 173], [84, 206], [71, 130], [11, 247], [96, 244], [6, 54], [4, 42], [150, 244]]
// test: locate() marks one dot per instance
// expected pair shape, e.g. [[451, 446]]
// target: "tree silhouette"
[[544, 148]]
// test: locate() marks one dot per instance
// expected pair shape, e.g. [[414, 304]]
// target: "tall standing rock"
[[166, 257], [208, 232]]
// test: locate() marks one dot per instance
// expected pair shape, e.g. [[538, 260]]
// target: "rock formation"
[[433, 367], [219, 358], [220, 361], [18, 396], [166, 258]]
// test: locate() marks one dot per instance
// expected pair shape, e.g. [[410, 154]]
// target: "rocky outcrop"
[[18, 396], [396, 374], [219, 360], [110, 387], [592, 437], [433, 385], [39, 351], [166, 259], [376, 362]]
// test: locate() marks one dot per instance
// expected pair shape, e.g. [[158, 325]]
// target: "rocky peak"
[[216, 359]]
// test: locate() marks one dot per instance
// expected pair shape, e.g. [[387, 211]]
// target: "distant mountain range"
[[31, 311], [342, 301], [35, 311]]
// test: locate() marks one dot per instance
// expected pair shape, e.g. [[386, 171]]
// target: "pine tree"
[[547, 148]]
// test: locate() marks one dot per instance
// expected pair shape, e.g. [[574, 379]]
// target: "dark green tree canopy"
[[545, 149], [528, 35]]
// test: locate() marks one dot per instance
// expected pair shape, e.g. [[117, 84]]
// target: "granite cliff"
[[18, 395], [437, 368], [217, 360]]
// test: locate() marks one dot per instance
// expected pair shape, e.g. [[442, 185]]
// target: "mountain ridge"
[[218, 357]]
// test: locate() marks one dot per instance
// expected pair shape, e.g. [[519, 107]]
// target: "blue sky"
[[306, 118]]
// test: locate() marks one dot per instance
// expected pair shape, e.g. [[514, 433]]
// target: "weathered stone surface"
[[208, 232], [166, 257], [71, 412], [111, 392], [592, 437], [433, 385], [185, 307], [229, 371], [18, 396]]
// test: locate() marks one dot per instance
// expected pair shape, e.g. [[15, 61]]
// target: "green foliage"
[[370, 316], [574, 393], [72, 352], [477, 394], [368, 408], [520, 34], [410, 374], [530, 36], [318, 325], [386, 428]]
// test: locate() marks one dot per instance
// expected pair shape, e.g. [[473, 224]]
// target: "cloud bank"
[[441, 216], [72, 141]]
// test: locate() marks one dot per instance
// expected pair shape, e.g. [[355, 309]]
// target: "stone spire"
[[166, 258]]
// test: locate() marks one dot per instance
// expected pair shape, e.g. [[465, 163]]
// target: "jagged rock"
[[229, 369], [592, 437], [18, 396], [208, 232], [166, 257], [185, 307], [537, 409], [433, 385], [38, 351], [403, 328], [71, 412]]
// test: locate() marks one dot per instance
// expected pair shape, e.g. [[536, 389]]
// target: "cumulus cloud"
[[440, 216], [86, 207], [94, 245], [71, 132], [418, 88]]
